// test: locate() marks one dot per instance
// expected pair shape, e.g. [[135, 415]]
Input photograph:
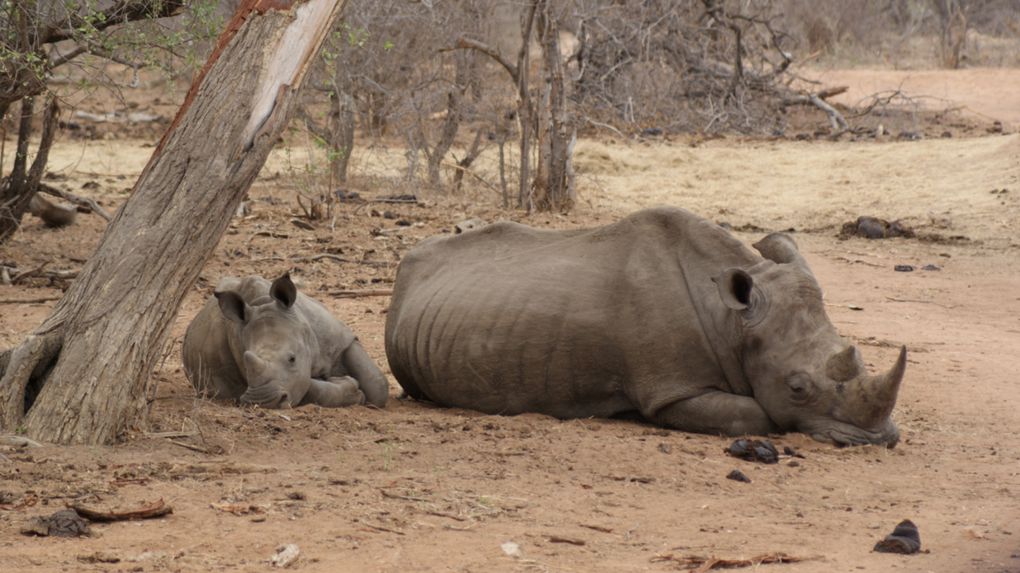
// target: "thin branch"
[[86, 202], [470, 44], [121, 12]]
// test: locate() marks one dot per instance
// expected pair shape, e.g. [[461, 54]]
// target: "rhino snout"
[[843, 435], [267, 395]]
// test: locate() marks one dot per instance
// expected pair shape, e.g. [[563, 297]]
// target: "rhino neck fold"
[[721, 331]]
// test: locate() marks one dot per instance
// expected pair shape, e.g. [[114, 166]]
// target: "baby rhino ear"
[[735, 287], [284, 291], [233, 306]]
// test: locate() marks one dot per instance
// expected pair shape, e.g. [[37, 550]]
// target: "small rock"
[[285, 555], [904, 268], [904, 539], [511, 549], [666, 448], [787, 450], [99, 557], [64, 523], [874, 228], [651, 132], [737, 475], [296, 495], [931, 267], [754, 451], [345, 196]]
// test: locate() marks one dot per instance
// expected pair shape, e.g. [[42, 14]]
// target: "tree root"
[[23, 371]]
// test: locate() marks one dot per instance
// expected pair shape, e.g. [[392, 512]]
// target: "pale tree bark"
[[554, 178], [81, 376]]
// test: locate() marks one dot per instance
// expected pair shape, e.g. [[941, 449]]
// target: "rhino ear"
[[233, 306], [284, 291], [735, 287]]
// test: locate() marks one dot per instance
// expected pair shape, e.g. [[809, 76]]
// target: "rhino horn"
[[253, 365], [844, 365], [872, 398], [780, 248]]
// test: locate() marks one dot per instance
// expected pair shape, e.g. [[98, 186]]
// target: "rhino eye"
[[292, 359]]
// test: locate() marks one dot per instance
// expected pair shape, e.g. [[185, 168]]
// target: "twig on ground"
[[381, 528], [361, 293], [19, 442], [176, 434], [89, 204], [399, 496], [447, 515], [817, 99], [563, 539], [190, 447], [340, 259], [156, 509], [700, 564], [606, 126], [29, 300], [892, 299]]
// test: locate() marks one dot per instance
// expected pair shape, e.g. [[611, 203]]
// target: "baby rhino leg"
[[336, 392]]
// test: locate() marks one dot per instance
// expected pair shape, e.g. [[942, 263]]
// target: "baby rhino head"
[[275, 345]]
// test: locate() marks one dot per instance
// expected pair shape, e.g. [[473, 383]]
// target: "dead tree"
[[81, 376], [546, 118], [952, 16], [553, 188]]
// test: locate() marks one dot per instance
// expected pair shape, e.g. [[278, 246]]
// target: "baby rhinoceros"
[[269, 345]]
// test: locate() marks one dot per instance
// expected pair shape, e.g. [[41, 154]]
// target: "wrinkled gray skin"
[[269, 345], [662, 313]]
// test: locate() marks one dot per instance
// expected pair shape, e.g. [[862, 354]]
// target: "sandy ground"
[[417, 488], [988, 93]]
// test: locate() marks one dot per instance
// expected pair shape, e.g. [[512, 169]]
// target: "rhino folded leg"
[[371, 380], [717, 413], [336, 392]]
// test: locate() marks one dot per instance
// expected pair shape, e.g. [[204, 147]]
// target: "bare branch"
[[121, 12], [469, 44]]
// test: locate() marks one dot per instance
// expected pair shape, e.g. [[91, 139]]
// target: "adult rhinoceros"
[[662, 313], [270, 345]]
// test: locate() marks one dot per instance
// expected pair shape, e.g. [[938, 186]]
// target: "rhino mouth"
[[843, 435], [266, 396]]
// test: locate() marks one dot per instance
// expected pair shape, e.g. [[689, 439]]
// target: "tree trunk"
[[17, 190], [343, 139], [90, 361], [554, 181], [454, 112], [525, 108]]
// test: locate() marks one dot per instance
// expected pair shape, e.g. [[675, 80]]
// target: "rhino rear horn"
[[780, 248], [876, 395], [284, 291], [844, 365]]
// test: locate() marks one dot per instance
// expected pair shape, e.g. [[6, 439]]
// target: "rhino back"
[[510, 319]]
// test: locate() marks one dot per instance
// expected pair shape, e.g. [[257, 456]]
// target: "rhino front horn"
[[253, 366], [877, 394]]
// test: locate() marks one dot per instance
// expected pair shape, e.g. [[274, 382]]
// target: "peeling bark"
[[109, 329]]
